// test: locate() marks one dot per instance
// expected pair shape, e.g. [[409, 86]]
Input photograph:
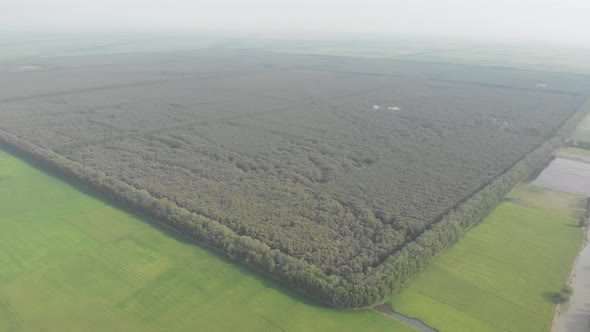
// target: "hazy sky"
[[566, 20]]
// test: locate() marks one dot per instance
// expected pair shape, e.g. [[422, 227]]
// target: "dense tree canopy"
[[341, 185]]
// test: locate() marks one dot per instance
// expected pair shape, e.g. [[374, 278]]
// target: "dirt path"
[[575, 316], [385, 309]]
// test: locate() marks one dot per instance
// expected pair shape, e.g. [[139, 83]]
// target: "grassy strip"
[[577, 151]]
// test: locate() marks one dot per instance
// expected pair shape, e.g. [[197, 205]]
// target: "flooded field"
[[566, 175]]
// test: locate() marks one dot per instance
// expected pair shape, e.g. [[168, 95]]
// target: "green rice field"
[[72, 262], [577, 151], [502, 276]]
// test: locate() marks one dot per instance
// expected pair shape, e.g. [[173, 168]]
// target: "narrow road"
[[576, 317]]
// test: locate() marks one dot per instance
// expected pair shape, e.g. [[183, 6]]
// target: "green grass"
[[577, 151], [552, 201], [72, 262], [501, 276]]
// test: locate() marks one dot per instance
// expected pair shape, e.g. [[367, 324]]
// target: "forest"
[[339, 179]]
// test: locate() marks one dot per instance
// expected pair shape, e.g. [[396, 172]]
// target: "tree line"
[[370, 288]]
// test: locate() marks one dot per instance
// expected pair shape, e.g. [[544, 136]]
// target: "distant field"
[[71, 262], [577, 151], [531, 57], [501, 276]]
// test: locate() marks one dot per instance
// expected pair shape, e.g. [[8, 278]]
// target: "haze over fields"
[[263, 165], [543, 20]]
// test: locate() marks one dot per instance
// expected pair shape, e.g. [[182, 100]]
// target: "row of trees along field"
[[312, 170], [368, 289]]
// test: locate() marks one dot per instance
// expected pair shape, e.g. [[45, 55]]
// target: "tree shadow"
[[550, 296]]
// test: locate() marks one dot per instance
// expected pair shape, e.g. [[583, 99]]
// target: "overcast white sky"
[[565, 20]]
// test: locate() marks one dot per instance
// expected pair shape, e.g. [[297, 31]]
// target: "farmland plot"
[[497, 277]]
